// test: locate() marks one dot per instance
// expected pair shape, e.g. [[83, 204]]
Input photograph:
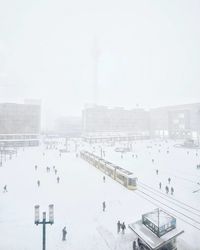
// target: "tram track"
[[170, 198], [184, 214]]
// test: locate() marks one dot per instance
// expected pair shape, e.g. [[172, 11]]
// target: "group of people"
[[48, 169], [121, 227], [167, 190], [166, 187]]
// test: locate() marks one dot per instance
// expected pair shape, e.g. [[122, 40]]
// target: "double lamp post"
[[44, 222]]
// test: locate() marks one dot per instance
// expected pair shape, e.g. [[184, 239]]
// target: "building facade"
[[176, 122], [20, 124], [104, 120]]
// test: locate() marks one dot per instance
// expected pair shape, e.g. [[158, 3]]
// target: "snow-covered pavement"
[[77, 200]]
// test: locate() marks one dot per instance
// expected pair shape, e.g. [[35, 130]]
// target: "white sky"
[[149, 52]]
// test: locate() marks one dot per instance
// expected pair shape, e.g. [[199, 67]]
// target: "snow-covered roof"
[[150, 239]]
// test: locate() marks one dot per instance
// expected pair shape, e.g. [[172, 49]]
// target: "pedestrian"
[[152, 160], [118, 226], [104, 206], [38, 183], [104, 178], [56, 171], [123, 227], [169, 180], [167, 189], [160, 185], [64, 233], [157, 171], [134, 245], [58, 179], [5, 189], [172, 190], [139, 242], [35, 167]]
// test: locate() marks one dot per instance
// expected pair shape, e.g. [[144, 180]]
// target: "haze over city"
[[147, 53], [99, 125]]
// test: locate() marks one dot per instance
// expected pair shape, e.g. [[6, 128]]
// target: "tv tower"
[[96, 55]]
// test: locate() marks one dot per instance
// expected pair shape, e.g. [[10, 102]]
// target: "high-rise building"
[[20, 124]]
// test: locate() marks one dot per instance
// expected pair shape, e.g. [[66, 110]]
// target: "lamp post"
[[44, 221]]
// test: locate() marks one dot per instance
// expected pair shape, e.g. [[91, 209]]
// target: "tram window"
[[131, 182]]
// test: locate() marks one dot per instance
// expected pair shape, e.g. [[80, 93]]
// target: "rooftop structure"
[[157, 230], [159, 222]]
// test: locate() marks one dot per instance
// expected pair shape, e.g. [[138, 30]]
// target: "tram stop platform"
[[157, 230]]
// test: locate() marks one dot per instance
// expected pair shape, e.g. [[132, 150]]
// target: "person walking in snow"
[[172, 190], [123, 227], [38, 183], [35, 167], [104, 206], [160, 185], [5, 189], [167, 189], [56, 171], [169, 180], [104, 178], [118, 226], [58, 179], [64, 233], [134, 245], [157, 171]]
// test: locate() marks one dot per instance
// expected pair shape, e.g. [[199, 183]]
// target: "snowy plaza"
[[79, 195]]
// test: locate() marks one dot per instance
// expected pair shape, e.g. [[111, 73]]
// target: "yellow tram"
[[123, 176]]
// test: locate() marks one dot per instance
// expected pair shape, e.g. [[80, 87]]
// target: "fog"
[[115, 53]]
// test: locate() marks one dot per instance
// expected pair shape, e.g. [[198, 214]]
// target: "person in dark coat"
[[38, 183], [167, 189], [160, 185], [104, 206], [134, 245], [118, 226], [123, 227], [5, 189], [64, 233], [169, 180], [58, 179]]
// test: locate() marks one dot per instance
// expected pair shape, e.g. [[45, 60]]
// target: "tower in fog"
[[96, 55]]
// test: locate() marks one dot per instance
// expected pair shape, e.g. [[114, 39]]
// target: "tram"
[[123, 176]]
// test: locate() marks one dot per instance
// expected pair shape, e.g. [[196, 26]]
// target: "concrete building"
[[176, 122], [20, 124], [104, 121]]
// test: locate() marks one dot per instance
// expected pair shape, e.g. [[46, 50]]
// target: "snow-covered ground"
[[79, 195]]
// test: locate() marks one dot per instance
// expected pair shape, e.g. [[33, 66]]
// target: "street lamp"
[[44, 222]]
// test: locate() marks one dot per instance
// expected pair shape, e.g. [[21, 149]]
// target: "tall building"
[[20, 124], [104, 120], [178, 121]]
